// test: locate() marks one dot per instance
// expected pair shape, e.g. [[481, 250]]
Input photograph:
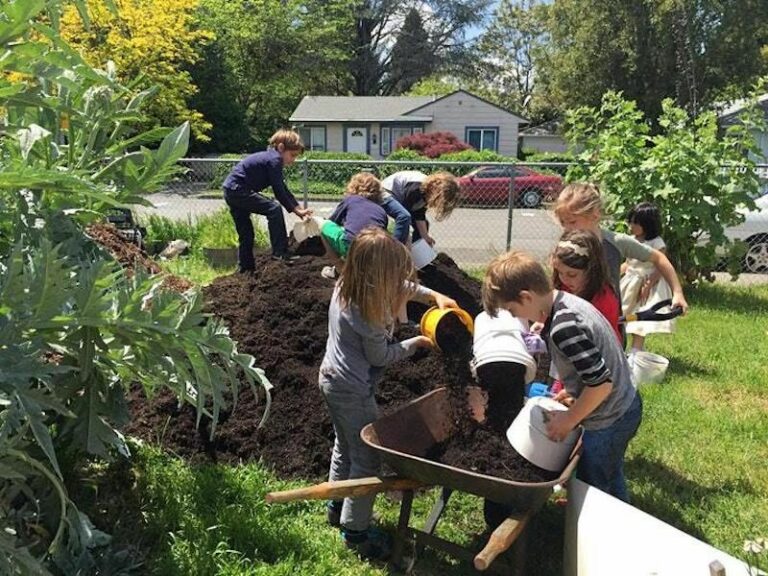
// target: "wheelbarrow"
[[403, 438]]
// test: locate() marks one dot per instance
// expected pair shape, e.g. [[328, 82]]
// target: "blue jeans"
[[241, 205], [402, 217], [351, 410], [602, 457]]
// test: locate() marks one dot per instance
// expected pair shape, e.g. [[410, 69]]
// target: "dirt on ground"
[[280, 315], [131, 256]]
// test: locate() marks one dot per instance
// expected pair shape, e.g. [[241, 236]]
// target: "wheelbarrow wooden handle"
[[501, 539], [343, 489]]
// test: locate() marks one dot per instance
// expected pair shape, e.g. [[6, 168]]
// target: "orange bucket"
[[431, 319]]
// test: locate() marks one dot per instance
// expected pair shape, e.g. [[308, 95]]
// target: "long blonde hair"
[[441, 193], [578, 198], [374, 276]]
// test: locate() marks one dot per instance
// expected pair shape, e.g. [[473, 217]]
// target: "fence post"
[[510, 207], [305, 181]]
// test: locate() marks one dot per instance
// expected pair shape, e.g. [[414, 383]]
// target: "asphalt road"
[[471, 236]]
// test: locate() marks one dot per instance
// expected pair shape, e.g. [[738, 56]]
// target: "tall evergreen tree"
[[377, 23], [412, 56]]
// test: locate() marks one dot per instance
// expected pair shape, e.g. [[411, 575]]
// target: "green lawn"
[[699, 463]]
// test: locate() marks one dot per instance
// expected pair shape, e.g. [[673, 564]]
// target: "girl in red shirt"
[[579, 267]]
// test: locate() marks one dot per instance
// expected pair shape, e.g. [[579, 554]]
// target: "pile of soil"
[[130, 256], [280, 316]]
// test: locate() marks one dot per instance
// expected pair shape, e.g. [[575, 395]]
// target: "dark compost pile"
[[280, 315]]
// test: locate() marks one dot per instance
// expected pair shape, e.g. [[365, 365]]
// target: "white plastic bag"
[[647, 367]]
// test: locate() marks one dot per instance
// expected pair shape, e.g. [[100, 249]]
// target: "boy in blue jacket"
[[242, 190]]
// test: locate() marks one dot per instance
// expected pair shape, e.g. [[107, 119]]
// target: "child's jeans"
[[602, 457], [352, 458]]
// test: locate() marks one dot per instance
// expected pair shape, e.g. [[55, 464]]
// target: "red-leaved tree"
[[432, 144]]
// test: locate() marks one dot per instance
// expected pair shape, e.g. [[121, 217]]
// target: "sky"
[[475, 31]]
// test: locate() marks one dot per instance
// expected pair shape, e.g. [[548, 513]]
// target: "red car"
[[489, 185]]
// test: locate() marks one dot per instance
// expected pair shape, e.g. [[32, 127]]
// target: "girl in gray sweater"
[[378, 277]]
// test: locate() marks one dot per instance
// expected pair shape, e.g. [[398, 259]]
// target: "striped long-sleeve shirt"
[[584, 349]]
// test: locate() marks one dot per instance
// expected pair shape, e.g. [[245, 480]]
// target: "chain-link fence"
[[503, 206]]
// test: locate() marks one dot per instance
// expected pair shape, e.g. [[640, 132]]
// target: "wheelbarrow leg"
[[402, 528], [429, 527]]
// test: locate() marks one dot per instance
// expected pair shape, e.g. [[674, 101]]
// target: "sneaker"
[[371, 544], [285, 258], [333, 513], [329, 272]]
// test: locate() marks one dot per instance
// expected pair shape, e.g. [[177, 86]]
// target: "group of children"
[[574, 315]]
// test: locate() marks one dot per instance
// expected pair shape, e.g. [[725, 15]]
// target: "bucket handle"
[[652, 314]]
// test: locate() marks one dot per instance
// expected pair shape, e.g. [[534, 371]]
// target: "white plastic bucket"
[[528, 435], [422, 253], [647, 367], [308, 228]]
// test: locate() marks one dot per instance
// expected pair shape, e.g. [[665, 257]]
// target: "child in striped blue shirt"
[[591, 363]]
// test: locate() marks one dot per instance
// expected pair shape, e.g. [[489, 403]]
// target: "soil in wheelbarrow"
[[484, 449], [280, 316]]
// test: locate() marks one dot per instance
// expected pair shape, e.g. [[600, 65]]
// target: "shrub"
[[475, 156], [696, 178], [544, 157], [432, 144]]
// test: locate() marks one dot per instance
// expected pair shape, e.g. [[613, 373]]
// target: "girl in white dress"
[[641, 284]]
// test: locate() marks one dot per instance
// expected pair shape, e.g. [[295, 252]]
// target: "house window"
[[391, 134], [483, 138], [313, 137], [385, 149], [400, 132]]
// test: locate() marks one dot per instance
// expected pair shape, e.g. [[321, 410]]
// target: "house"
[[730, 115], [373, 124], [543, 138]]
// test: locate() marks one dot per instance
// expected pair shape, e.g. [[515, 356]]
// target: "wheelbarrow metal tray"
[[404, 437]]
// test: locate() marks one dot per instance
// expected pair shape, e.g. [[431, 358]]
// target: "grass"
[[697, 463], [214, 230]]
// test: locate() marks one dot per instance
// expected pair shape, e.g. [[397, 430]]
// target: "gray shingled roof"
[[359, 108]]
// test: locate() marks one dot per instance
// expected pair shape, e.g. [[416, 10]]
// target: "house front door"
[[357, 138]]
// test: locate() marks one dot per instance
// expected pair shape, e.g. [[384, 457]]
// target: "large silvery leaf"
[[28, 137]]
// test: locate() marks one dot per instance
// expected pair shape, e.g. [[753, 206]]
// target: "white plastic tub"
[[528, 435], [422, 253], [647, 367], [308, 228]]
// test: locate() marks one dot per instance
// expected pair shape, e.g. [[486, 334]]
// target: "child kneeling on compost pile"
[[360, 209], [377, 279], [590, 361]]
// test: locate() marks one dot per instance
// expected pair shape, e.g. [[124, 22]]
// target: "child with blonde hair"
[[377, 279], [360, 209], [242, 193], [579, 207], [589, 360], [417, 193]]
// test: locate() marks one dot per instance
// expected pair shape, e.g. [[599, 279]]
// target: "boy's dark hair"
[[648, 216], [582, 250]]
